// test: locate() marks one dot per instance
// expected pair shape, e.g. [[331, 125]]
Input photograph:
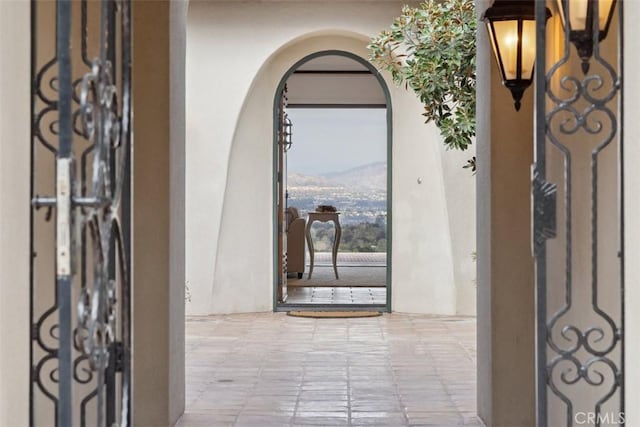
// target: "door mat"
[[334, 314]]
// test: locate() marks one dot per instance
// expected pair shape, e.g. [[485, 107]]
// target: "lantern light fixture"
[[579, 17], [287, 133], [512, 29]]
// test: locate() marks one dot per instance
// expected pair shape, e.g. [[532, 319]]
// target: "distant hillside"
[[295, 179], [371, 176]]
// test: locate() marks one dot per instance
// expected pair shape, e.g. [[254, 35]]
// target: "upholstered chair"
[[295, 242]]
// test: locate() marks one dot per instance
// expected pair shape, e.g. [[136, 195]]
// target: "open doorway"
[[332, 185]]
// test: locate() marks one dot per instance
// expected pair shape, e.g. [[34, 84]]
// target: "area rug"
[[369, 277], [334, 314]]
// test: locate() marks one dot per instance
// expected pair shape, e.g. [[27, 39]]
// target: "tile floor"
[[336, 295], [363, 278], [270, 369]]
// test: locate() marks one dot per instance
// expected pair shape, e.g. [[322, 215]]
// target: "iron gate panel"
[[80, 226], [577, 238]]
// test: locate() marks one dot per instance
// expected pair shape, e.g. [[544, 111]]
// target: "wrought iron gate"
[[81, 145], [577, 181]]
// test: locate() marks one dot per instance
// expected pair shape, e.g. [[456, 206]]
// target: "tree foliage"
[[431, 49]]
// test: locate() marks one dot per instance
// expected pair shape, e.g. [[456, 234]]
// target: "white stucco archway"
[[229, 196]]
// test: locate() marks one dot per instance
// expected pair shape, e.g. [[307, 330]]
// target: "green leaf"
[[436, 44]]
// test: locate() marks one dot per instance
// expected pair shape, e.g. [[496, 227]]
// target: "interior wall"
[[229, 160], [15, 119], [177, 164], [460, 192], [506, 381], [334, 89], [158, 212], [483, 217]]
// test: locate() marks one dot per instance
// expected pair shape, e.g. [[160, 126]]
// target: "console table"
[[324, 217]]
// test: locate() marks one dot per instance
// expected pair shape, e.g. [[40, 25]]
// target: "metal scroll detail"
[[578, 273], [81, 130], [544, 213], [98, 106]]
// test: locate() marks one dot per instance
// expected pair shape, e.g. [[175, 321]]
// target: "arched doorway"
[[345, 88]]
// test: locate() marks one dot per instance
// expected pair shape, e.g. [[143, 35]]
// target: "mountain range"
[[372, 176]]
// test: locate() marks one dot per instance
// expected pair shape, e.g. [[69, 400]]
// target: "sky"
[[334, 140]]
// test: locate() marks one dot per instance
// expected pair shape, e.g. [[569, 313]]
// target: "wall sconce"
[[512, 30], [581, 16]]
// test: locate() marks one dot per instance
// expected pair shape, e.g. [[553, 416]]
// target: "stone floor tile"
[[323, 406], [268, 369], [197, 419], [381, 406], [320, 421], [378, 415], [266, 420], [314, 413], [380, 422]]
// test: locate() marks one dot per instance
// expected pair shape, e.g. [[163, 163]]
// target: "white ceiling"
[[334, 89], [332, 63]]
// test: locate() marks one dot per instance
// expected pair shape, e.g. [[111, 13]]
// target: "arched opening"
[[332, 188], [230, 142]]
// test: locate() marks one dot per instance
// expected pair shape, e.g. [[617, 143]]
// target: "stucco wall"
[[234, 64], [158, 212], [506, 381]]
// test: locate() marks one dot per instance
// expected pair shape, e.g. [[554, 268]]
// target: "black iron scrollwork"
[[582, 347], [98, 104], [97, 131]]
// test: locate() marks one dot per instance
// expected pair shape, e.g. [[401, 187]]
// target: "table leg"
[[310, 245], [336, 245]]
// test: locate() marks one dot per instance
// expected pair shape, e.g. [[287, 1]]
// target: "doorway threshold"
[[332, 307]]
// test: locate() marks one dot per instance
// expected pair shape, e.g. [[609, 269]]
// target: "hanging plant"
[[431, 49]]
